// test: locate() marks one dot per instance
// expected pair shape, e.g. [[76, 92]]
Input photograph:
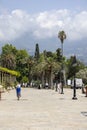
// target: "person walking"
[[58, 87], [18, 91]]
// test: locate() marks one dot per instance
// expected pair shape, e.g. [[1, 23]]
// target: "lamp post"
[[74, 89], [74, 64]]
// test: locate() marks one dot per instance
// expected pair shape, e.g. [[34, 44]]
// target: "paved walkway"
[[43, 110]]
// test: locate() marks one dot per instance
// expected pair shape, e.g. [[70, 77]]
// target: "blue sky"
[[33, 6], [24, 23]]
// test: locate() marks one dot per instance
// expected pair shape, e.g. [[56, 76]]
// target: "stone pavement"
[[43, 110]]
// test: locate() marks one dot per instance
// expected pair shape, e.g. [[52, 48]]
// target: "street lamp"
[[74, 64]]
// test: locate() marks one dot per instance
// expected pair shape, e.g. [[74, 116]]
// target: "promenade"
[[43, 110]]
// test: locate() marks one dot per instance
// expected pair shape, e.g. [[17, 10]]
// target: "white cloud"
[[43, 25], [13, 25]]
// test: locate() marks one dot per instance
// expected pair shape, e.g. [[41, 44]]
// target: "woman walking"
[[18, 91]]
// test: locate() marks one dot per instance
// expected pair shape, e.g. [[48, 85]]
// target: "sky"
[[24, 23]]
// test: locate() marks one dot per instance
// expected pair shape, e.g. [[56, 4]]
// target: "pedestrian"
[[58, 87], [18, 91], [83, 86], [46, 85]]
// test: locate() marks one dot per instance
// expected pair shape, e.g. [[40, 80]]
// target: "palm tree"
[[30, 64], [51, 68], [62, 37], [39, 69]]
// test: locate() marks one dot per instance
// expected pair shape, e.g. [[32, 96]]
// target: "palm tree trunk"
[[51, 78], [62, 68], [62, 49], [43, 82], [64, 77]]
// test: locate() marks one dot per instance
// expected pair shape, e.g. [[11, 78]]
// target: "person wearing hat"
[[18, 91]]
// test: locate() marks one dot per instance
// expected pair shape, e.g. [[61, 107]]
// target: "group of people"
[[18, 89]]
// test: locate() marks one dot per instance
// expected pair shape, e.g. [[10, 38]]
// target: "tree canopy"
[[43, 66]]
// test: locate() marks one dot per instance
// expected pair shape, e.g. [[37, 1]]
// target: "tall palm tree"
[[51, 68], [62, 37], [30, 64], [45, 69], [39, 69]]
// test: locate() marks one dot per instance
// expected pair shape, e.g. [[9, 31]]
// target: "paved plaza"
[[43, 109]]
